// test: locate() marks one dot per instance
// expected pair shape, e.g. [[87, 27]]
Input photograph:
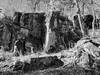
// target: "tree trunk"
[[83, 9], [48, 31], [93, 29], [79, 17]]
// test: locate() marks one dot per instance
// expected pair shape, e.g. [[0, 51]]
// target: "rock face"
[[85, 61], [87, 53], [38, 64], [18, 66]]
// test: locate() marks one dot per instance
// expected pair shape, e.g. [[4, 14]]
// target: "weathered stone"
[[45, 62], [26, 67], [92, 49], [18, 66], [86, 61], [38, 64], [86, 53]]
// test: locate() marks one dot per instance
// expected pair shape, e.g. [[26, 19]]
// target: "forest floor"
[[75, 62]]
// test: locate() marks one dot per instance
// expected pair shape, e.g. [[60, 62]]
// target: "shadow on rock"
[[38, 64]]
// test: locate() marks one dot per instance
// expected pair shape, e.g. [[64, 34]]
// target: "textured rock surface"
[[82, 57], [87, 53], [38, 64]]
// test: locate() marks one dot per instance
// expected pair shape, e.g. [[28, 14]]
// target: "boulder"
[[85, 61], [45, 63], [86, 53], [18, 66], [38, 64], [88, 46], [91, 49], [26, 67]]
